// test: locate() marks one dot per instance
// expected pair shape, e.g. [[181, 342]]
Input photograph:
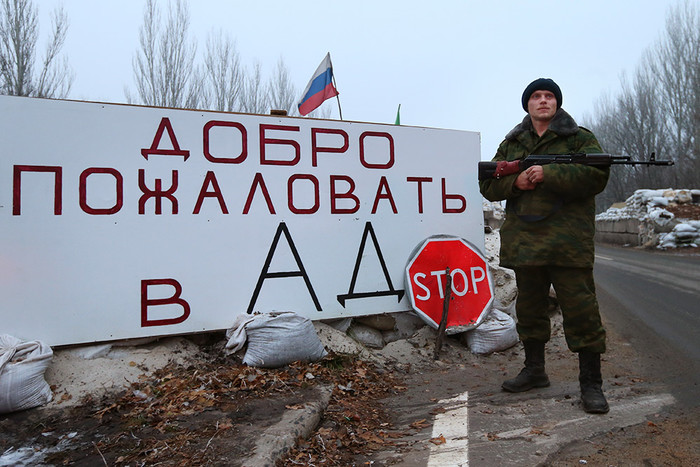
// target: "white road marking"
[[607, 258], [453, 425]]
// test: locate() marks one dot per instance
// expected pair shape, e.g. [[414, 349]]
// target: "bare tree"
[[642, 121], [281, 90], [676, 64], [254, 98], [657, 111], [164, 68], [166, 74], [324, 111], [19, 33], [224, 78], [607, 128], [632, 124]]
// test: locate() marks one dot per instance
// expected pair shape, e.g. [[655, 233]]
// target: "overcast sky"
[[450, 64]]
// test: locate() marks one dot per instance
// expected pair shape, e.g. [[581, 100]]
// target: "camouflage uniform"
[[547, 237]]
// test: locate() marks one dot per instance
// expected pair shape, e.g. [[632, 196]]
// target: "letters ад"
[[190, 211]]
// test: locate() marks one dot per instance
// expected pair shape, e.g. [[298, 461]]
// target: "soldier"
[[547, 239]]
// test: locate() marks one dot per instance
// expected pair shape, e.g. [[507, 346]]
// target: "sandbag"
[[22, 368], [276, 339], [366, 335], [497, 332]]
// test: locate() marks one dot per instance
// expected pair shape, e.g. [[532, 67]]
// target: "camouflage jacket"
[[553, 224]]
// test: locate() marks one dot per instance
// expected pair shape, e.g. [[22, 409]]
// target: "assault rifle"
[[488, 170]]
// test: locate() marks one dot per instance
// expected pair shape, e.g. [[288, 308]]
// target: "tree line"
[[657, 110], [167, 69], [20, 74]]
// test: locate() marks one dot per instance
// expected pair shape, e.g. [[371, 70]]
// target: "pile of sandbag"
[[685, 234], [22, 367], [657, 225], [274, 339], [496, 333]]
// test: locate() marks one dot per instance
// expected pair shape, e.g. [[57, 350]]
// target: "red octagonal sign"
[[472, 286]]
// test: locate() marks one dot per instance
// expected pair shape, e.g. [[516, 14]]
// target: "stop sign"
[[472, 286]]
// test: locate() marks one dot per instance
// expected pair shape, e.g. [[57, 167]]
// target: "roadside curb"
[[282, 436]]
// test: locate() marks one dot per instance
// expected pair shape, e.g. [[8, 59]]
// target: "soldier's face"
[[542, 105]]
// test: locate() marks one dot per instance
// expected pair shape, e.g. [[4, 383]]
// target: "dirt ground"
[[210, 410], [685, 211], [668, 440], [185, 402]]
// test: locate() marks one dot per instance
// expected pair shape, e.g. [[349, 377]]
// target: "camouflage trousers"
[[575, 290]]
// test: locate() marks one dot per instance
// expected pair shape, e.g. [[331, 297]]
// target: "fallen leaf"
[[224, 425], [420, 424]]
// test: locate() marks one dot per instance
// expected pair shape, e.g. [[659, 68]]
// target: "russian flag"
[[319, 88]]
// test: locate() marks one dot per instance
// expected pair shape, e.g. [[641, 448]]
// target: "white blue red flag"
[[319, 88]]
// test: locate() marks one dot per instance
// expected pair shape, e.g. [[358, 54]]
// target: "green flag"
[[398, 116]]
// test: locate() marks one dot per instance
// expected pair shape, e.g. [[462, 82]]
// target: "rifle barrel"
[[493, 169], [651, 162]]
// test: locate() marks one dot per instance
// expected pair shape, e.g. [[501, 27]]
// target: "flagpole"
[[337, 96]]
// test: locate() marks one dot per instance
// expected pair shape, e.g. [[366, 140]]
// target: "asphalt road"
[[650, 302], [653, 300]]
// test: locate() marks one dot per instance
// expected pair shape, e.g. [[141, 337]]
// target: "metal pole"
[[337, 96]]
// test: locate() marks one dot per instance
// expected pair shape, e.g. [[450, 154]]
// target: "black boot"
[[533, 375], [591, 382]]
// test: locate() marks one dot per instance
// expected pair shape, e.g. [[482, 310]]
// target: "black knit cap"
[[542, 84]]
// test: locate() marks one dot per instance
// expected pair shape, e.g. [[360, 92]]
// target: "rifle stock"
[[498, 169]]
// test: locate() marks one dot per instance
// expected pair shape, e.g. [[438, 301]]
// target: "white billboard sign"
[[121, 221]]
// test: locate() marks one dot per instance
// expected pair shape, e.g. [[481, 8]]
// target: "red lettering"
[[175, 151], [315, 148], [173, 300], [459, 198], [290, 194], [17, 186], [210, 179], [264, 141], [258, 181], [363, 159], [119, 191], [420, 181], [226, 160], [383, 192], [347, 195], [157, 193]]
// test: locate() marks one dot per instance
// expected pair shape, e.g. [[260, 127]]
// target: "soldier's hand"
[[530, 178]]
